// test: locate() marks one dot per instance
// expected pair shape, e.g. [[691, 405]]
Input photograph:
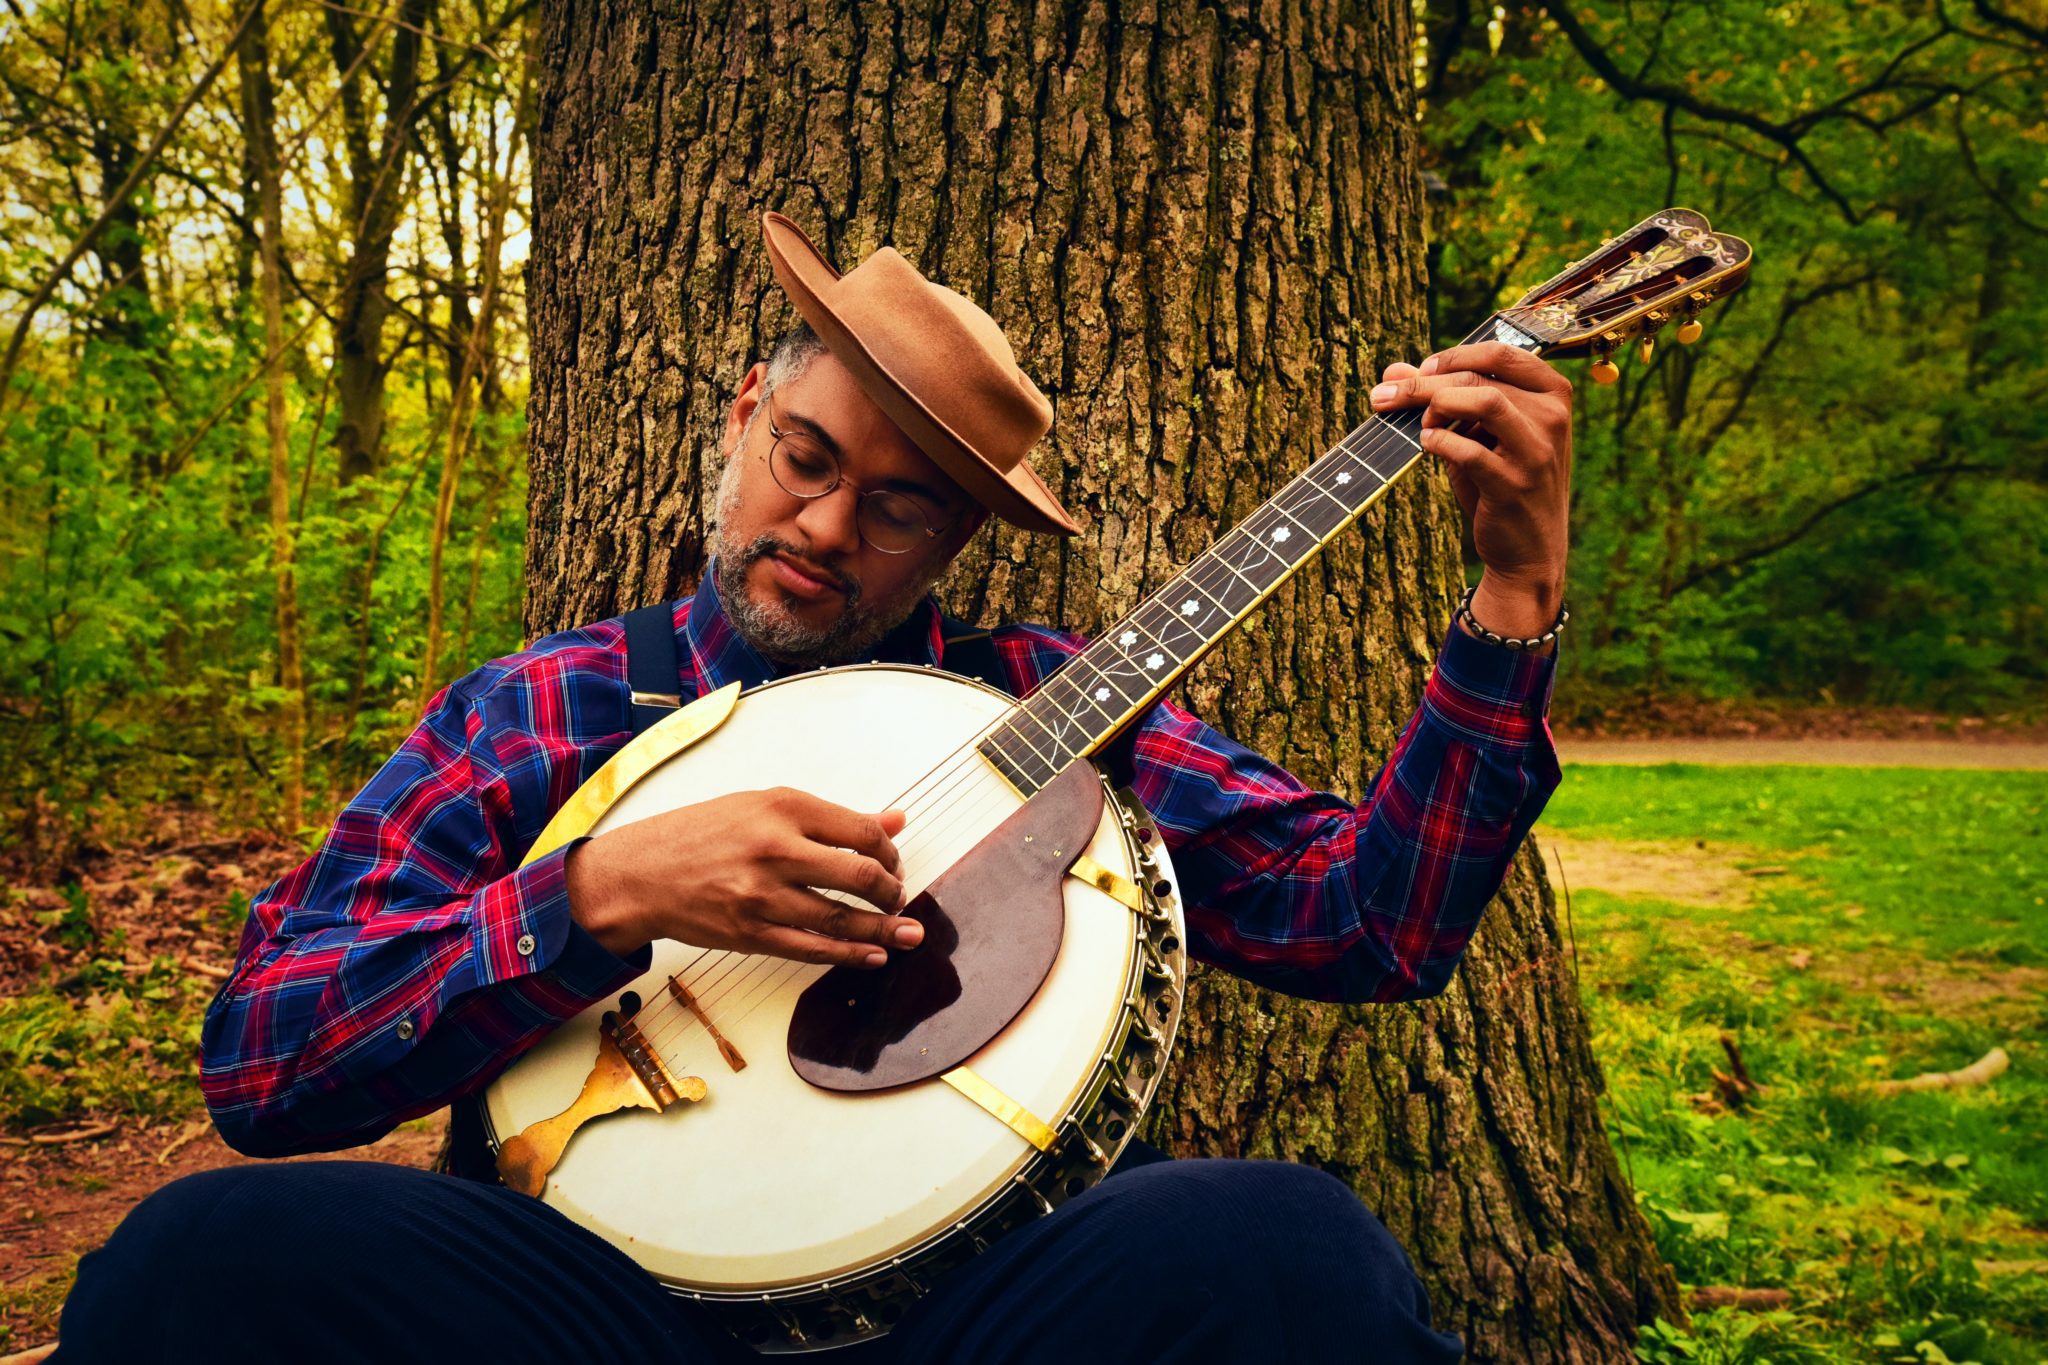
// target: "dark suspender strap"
[[651, 673], [651, 663], [971, 652]]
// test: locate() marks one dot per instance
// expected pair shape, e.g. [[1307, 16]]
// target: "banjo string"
[[672, 1018], [944, 779]]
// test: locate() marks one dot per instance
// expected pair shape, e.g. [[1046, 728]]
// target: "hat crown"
[[944, 347], [935, 362]]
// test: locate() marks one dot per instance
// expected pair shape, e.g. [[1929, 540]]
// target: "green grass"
[[1906, 933]]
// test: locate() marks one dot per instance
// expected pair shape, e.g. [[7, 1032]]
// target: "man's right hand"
[[738, 872]]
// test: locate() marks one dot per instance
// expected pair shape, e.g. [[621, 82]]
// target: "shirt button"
[[525, 945], [404, 1029]]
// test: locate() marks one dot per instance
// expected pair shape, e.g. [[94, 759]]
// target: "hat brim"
[[1017, 495]]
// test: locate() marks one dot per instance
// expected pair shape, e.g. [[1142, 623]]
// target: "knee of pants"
[[1300, 1233], [154, 1254], [187, 1244]]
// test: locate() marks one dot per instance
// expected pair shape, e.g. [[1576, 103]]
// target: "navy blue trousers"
[[354, 1261]]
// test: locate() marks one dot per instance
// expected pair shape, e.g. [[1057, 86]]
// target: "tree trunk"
[[379, 178], [259, 122], [1200, 228]]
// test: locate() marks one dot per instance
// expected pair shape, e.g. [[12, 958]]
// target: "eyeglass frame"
[[838, 477]]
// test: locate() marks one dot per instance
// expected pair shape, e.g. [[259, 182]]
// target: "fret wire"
[[1087, 696], [1135, 624], [1178, 619], [1358, 444], [1308, 478], [1042, 699], [1009, 724], [1007, 751], [1313, 535], [1260, 540], [1341, 456], [1379, 426], [1390, 451], [1142, 674], [1222, 602], [1225, 604], [1023, 712], [1228, 565], [1189, 574]]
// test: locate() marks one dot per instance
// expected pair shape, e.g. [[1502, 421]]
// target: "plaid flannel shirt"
[[411, 957]]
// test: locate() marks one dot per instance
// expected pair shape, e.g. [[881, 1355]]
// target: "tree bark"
[[1200, 228]]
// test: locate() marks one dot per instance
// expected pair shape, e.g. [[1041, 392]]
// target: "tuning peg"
[[1604, 370], [1689, 331], [1646, 347]]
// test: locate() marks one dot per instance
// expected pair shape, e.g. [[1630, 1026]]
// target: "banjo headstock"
[[1667, 268]]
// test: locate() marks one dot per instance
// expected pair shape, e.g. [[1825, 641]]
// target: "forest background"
[[241, 544], [263, 379]]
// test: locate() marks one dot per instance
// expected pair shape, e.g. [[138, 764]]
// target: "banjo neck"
[[1100, 691]]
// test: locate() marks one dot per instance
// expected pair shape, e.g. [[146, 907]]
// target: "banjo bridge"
[[628, 1074]]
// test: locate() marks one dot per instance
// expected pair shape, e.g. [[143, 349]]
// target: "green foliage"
[[1883, 950], [1838, 496], [140, 633], [66, 1057], [139, 604]]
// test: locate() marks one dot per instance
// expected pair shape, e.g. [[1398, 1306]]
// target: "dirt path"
[[1854, 753]]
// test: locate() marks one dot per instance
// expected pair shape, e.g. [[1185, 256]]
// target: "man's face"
[[796, 578]]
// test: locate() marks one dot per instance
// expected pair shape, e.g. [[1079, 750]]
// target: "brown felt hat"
[[935, 363]]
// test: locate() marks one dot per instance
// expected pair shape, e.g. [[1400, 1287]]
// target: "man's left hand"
[[1501, 421]]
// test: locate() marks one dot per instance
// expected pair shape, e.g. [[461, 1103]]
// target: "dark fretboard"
[[1100, 690]]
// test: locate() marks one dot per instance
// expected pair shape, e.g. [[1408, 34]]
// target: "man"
[[412, 957]]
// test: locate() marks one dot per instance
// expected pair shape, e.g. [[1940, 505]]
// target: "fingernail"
[[874, 959], [1429, 365], [1383, 394], [910, 935]]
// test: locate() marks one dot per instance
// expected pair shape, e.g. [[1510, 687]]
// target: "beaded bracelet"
[[1564, 614]]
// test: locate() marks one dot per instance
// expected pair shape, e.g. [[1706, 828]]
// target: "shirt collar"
[[720, 654]]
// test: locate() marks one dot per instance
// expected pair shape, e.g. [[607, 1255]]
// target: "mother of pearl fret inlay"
[[1281, 533]]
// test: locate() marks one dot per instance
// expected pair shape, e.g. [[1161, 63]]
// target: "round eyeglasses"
[[802, 467]]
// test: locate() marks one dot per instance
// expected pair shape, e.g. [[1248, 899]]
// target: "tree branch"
[[1812, 519], [115, 201]]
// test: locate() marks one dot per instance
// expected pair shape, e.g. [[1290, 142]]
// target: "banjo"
[[803, 1150]]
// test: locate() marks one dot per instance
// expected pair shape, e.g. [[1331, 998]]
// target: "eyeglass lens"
[[889, 521]]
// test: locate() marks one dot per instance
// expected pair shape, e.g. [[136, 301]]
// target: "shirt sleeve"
[[1298, 889], [410, 958]]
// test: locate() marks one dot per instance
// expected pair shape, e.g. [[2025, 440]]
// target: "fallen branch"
[[1991, 1064], [91, 1130], [1730, 1296], [1737, 1089], [188, 1134], [193, 964]]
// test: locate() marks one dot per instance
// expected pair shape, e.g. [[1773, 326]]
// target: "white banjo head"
[[769, 1182]]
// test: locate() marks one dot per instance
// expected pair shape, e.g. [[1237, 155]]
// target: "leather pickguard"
[[992, 927]]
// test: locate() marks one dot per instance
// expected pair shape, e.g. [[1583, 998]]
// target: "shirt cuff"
[[1490, 695], [525, 926]]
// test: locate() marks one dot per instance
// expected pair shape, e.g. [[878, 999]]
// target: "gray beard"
[[773, 630]]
